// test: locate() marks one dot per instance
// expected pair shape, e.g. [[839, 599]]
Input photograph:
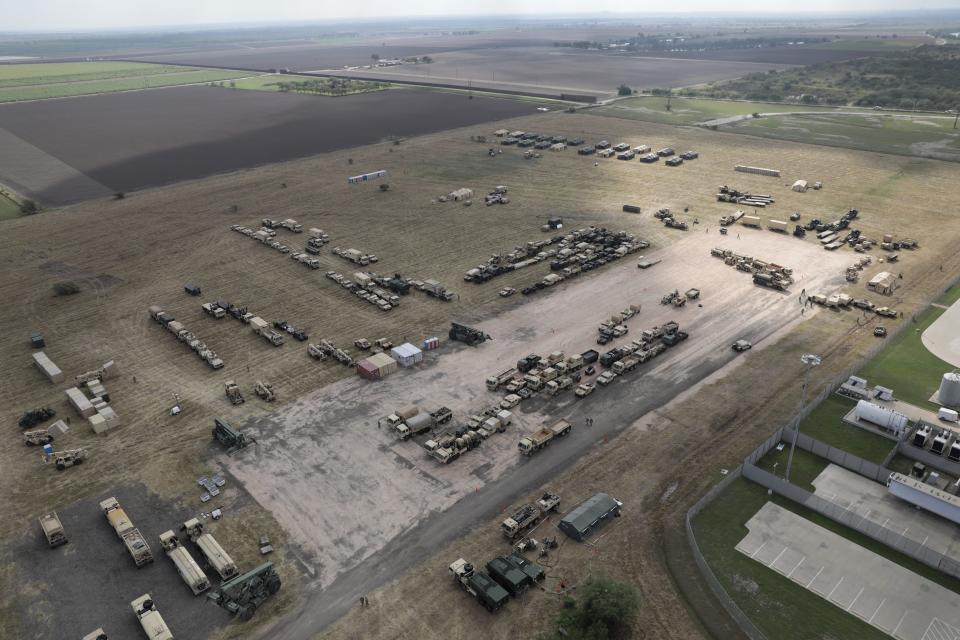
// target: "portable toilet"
[[47, 450]]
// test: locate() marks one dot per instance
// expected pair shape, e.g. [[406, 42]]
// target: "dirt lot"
[[190, 132], [565, 70], [139, 251]]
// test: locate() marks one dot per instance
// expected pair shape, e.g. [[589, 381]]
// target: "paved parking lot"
[[885, 595], [872, 501]]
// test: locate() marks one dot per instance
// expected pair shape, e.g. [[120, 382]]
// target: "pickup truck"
[[606, 378], [583, 390]]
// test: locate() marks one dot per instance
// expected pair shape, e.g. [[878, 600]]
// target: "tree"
[[29, 207], [624, 90], [375, 57], [119, 195], [604, 609]]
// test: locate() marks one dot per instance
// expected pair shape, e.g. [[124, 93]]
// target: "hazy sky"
[[59, 15]]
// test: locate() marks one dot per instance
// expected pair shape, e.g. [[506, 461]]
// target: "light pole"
[[811, 361]]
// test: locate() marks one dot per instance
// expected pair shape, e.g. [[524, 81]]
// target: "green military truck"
[[490, 594]]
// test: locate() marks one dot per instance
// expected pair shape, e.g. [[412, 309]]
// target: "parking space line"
[[859, 593], [814, 578], [774, 561], [797, 567], [835, 587], [897, 628], [885, 522], [877, 611], [758, 549]]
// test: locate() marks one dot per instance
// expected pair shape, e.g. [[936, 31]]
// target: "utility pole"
[[810, 361], [956, 118]]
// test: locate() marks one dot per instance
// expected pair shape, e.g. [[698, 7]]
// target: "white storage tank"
[[949, 394], [880, 416]]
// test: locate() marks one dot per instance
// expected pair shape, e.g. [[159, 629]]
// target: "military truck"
[[623, 366], [264, 390], [53, 529], [499, 380], [150, 619], [561, 384], [449, 447], [69, 458], [539, 439], [132, 538], [38, 437], [243, 594], [230, 437], [490, 594], [221, 562], [529, 515], [422, 422], [232, 390], [186, 566]]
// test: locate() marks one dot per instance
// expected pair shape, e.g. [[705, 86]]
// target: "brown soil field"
[[133, 140], [132, 253], [565, 70]]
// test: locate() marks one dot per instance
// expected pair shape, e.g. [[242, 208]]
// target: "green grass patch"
[[13, 75], [805, 469], [901, 464], [781, 608], [825, 423], [42, 81], [951, 296], [906, 366], [689, 111], [8, 208], [912, 135]]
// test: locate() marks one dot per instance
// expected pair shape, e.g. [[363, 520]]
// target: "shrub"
[[624, 90], [66, 288], [29, 207], [119, 195], [604, 609]]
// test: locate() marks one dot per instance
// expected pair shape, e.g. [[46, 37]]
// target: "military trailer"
[[490, 594], [150, 619], [221, 562], [532, 569], [187, 567], [96, 634], [229, 437], [53, 529]]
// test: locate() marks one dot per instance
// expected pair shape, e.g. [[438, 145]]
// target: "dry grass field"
[[132, 253]]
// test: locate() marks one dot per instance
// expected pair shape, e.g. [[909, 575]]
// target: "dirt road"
[[364, 507]]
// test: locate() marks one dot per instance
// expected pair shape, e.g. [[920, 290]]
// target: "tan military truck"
[[150, 619], [53, 529]]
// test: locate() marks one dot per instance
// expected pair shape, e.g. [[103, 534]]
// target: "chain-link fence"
[[726, 602], [839, 514]]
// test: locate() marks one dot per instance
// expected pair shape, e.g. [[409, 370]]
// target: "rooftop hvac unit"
[[954, 451], [920, 436], [949, 394], [854, 381], [940, 443], [882, 393]]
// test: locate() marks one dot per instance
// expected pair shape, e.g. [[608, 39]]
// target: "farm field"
[[904, 133], [8, 208], [61, 80], [563, 70], [199, 131], [131, 253]]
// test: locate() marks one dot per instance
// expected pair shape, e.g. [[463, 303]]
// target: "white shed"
[[406, 355], [884, 283], [800, 185]]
